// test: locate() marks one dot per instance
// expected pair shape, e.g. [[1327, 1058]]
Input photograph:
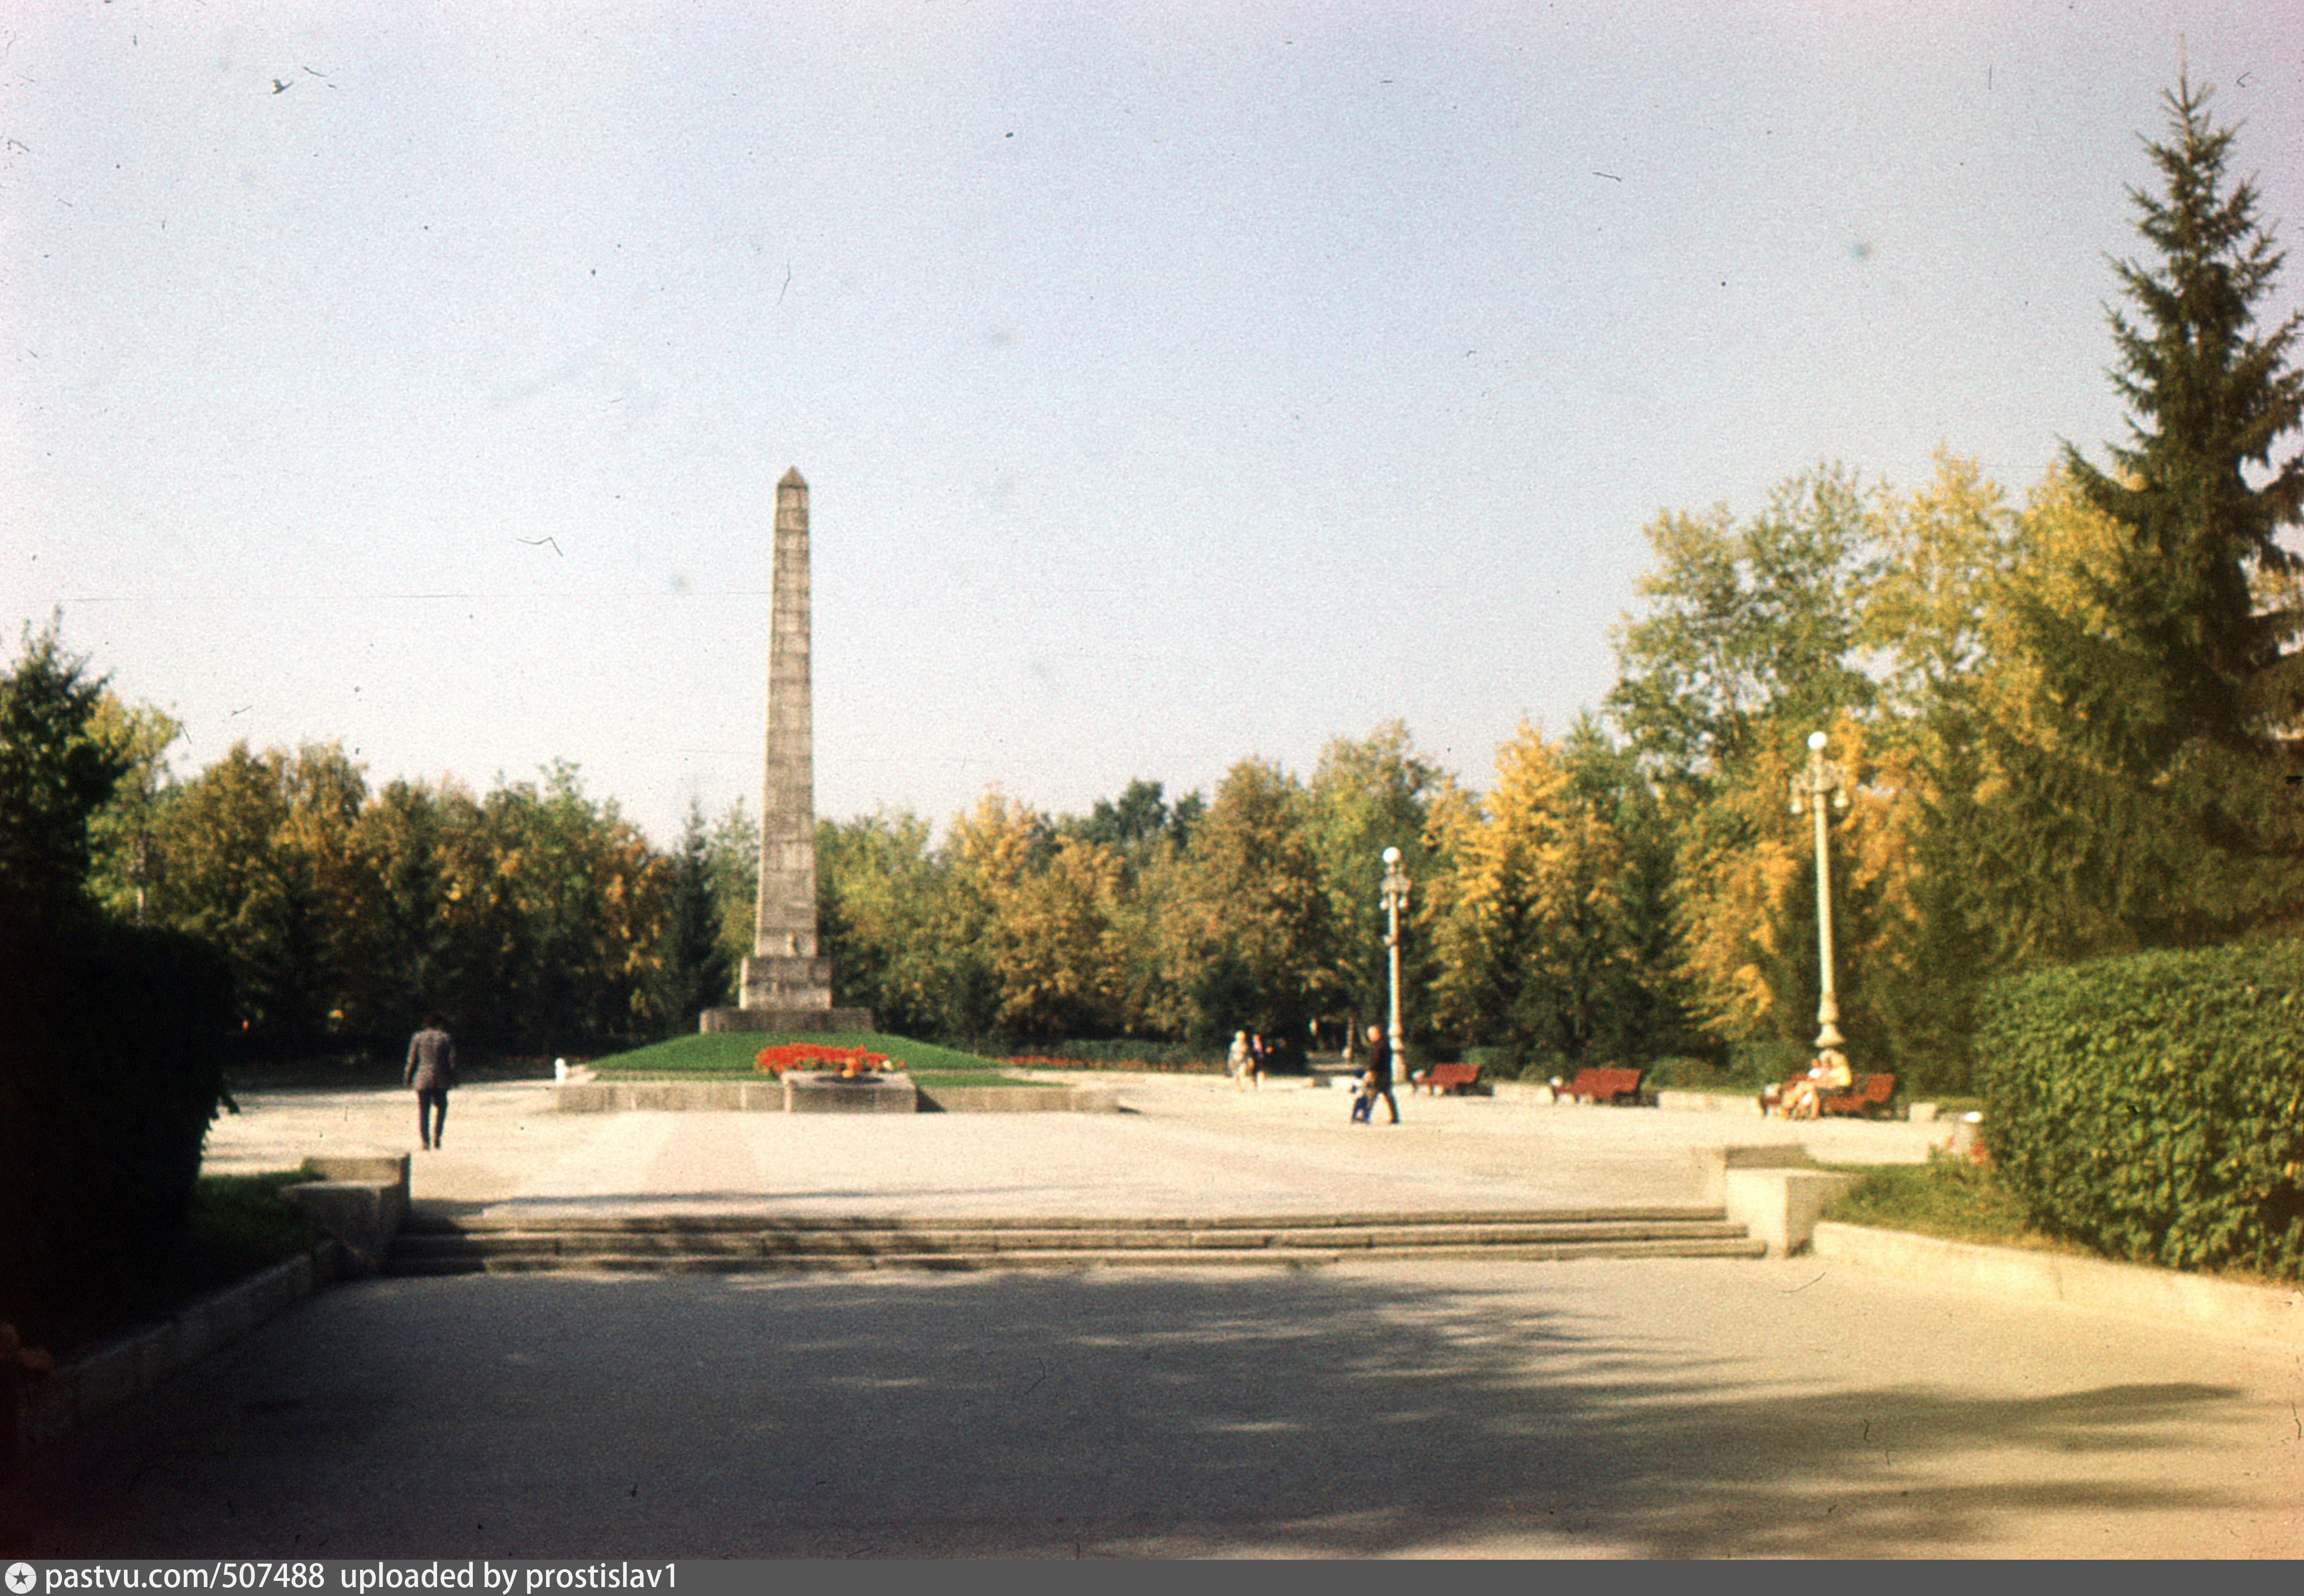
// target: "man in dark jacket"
[[431, 1070], [1378, 1080]]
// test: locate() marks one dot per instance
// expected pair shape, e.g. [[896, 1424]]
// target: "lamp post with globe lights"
[[1395, 898], [1810, 789]]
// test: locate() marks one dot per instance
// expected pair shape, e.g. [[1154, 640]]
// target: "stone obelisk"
[[786, 985]]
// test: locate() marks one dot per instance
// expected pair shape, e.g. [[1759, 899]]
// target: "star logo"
[[20, 1578]]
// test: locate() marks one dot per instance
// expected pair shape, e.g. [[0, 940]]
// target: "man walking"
[[431, 1070], [1377, 1081]]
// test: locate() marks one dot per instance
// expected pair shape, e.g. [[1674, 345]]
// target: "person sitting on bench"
[[1829, 1073]]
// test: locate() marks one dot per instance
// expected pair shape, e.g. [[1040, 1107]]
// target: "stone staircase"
[[432, 1244]]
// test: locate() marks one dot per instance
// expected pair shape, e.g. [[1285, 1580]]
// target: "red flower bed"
[[810, 1055]]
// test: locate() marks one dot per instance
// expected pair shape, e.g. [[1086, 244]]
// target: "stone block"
[[1781, 1206], [802, 1021], [390, 1167], [825, 1094], [364, 1215], [1713, 1164]]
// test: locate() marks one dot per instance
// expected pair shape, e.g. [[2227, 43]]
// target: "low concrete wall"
[[2272, 1312], [359, 1199], [806, 1094], [763, 1096], [813, 1094], [1710, 1102], [1713, 1164], [128, 1365], [1781, 1207], [1019, 1100]]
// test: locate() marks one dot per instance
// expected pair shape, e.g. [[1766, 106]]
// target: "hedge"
[[111, 1047], [2152, 1106]]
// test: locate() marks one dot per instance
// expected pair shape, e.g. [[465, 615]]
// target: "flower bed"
[[850, 1062]]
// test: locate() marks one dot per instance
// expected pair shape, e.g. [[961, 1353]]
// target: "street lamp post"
[[1395, 898], [1811, 787], [139, 869]]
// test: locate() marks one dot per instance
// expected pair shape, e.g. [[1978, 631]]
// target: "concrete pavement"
[[1182, 1145], [1660, 1408], [1595, 1409]]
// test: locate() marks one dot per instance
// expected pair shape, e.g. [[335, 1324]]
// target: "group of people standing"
[[1245, 1062]]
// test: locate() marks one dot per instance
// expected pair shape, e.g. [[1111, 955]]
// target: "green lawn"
[[1946, 1197], [240, 1225], [237, 1227], [1958, 1201], [733, 1052]]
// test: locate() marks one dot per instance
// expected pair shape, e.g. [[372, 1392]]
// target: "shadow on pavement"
[[1311, 1411]]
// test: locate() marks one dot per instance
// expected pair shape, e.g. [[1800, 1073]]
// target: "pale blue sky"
[[1173, 382]]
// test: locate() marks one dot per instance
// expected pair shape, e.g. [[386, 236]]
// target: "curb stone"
[[2269, 1312], [129, 1365]]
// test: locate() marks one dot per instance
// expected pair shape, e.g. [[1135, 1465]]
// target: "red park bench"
[[1458, 1078], [1605, 1086], [1866, 1101]]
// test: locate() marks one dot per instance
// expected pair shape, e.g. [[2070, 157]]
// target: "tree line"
[[2065, 718]]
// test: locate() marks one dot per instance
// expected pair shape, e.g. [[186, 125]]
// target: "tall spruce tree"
[[2141, 799], [2190, 651]]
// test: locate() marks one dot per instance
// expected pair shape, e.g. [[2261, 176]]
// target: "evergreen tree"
[[2188, 652], [692, 970], [56, 774], [2135, 792]]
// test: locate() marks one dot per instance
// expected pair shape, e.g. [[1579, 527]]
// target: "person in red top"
[[431, 1070]]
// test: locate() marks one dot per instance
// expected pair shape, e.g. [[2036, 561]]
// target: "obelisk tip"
[[792, 479]]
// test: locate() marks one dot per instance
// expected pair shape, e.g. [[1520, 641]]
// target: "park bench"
[[1459, 1078], [1866, 1101], [1605, 1086]]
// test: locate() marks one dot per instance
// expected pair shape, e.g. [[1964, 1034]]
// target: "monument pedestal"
[[828, 1094], [804, 1021]]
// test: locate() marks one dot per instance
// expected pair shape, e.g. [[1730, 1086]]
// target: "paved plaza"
[[1184, 1145], [1603, 1408]]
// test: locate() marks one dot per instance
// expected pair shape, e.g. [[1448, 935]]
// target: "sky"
[[1174, 381]]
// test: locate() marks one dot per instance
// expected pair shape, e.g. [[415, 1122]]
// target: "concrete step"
[[1061, 1258], [437, 1244], [737, 1243], [422, 1220]]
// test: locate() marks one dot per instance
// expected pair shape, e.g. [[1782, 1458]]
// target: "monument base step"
[[805, 1021]]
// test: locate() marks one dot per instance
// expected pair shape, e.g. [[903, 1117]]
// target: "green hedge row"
[[2152, 1106], [111, 1049]]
